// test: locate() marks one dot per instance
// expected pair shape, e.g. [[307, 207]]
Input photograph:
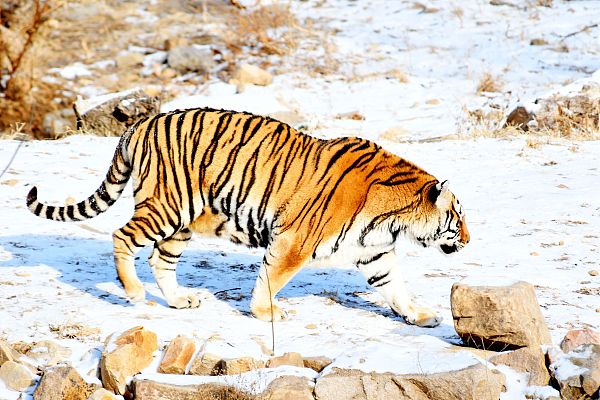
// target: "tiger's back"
[[259, 182]]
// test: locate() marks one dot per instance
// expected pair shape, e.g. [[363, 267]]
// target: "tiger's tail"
[[105, 196]]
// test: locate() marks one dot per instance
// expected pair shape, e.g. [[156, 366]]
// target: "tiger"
[[261, 183]]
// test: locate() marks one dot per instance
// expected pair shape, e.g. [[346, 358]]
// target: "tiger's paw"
[[183, 300], [264, 313], [421, 316], [136, 294]]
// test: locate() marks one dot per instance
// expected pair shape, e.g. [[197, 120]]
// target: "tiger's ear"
[[436, 190]]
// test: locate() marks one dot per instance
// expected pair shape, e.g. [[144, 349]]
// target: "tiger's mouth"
[[449, 249]]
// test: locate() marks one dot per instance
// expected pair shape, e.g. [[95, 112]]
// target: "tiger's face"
[[447, 228]]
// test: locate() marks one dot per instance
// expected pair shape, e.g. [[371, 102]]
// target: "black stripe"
[[375, 280]]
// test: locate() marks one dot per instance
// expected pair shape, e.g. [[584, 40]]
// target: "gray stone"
[[112, 114], [191, 58], [498, 317]]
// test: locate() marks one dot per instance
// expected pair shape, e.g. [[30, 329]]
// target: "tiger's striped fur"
[[259, 182]]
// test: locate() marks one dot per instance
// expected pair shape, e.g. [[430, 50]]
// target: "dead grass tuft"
[[267, 30], [489, 83], [24, 97]]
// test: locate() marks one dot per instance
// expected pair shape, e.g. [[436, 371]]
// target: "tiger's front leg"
[[283, 259], [384, 275], [163, 262]]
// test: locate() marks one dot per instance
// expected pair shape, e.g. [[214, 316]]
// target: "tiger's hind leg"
[[163, 262], [384, 275], [128, 241], [283, 259]]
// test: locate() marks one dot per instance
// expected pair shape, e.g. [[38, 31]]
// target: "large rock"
[[177, 356], [16, 376], [48, 353], [472, 383], [498, 317], [63, 382], [288, 387], [125, 355], [526, 359], [577, 372], [206, 364], [112, 114], [577, 337], [194, 58], [150, 390]]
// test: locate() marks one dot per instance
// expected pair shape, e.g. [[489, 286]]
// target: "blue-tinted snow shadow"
[[86, 264]]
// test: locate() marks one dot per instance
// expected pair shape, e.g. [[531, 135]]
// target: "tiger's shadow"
[[87, 265]]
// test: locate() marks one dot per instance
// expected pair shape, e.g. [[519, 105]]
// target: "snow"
[[532, 205]]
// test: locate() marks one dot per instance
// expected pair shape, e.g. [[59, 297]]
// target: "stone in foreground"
[[578, 337], [150, 390], [63, 382], [526, 359], [177, 355], [498, 317], [578, 372], [126, 355], [16, 376], [472, 383]]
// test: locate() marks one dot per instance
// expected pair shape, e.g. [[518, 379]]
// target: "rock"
[[288, 387], [102, 394], [112, 114], [472, 383], [578, 372], [578, 337], [125, 355], [56, 123], [233, 366], [206, 364], [294, 359], [177, 355], [63, 382], [519, 118], [7, 353], [149, 390], [498, 317], [16, 376], [316, 363], [191, 58], [48, 353], [250, 74], [129, 60], [538, 42], [526, 359], [593, 272]]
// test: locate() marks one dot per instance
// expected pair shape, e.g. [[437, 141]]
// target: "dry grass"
[[264, 30], [489, 83], [26, 99], [552, 122]]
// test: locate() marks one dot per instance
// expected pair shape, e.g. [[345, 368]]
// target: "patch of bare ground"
[[112, 46]]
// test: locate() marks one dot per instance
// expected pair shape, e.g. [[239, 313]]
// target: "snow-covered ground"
[[533, 206]]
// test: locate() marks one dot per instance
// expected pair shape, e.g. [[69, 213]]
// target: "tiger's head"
[[444, 224]]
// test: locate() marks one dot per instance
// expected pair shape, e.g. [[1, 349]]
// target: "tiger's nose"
[[464, 232]]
